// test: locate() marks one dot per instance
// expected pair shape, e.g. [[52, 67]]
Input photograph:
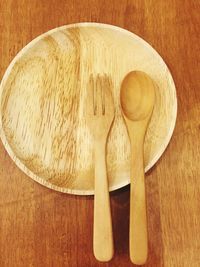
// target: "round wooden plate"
[[42, 123]]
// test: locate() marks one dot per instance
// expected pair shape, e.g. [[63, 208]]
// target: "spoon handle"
[[103, 236], [138, 246]]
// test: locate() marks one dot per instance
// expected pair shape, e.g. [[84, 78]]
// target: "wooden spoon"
[[137, 102]]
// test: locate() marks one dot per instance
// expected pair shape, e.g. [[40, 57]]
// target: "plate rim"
[[126, 180]]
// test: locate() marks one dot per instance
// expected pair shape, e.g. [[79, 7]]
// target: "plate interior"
[[42, 120]]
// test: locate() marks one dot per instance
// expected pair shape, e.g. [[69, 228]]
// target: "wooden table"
[[43, 228]]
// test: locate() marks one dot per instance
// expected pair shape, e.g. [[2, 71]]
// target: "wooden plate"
[[42, 125]]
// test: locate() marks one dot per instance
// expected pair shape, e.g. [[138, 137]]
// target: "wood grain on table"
[[43, 228]]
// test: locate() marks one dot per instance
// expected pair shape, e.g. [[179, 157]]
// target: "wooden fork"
[[100, 115]]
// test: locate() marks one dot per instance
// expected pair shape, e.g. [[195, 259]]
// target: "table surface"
[[43, 228]]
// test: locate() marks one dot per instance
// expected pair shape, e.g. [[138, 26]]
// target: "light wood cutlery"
[[137, 102], [137, 98], [100, 115]]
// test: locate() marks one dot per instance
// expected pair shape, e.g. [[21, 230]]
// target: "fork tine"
[[108, 97], [90, 109], [103, 87], [98, 90]]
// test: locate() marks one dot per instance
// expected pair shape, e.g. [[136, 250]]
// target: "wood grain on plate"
[[40, 227], [43, 95]]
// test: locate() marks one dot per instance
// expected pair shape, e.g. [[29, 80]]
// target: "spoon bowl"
[[137, 95]]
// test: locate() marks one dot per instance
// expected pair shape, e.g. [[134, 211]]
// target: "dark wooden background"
[[43, 228]]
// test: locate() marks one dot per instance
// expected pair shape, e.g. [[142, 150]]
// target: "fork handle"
[[102, 232]]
